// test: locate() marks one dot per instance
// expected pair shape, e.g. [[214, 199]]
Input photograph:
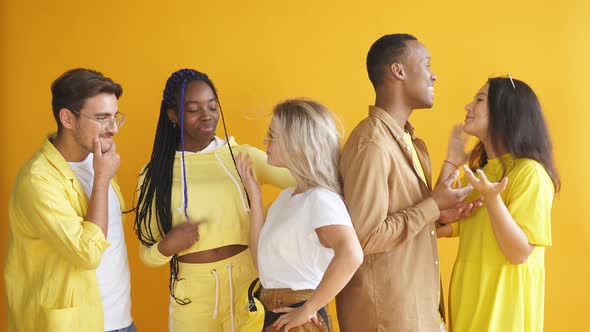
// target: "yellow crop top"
[[216, 199]]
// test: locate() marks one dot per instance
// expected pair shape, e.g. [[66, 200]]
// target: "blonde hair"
[[310, 142]]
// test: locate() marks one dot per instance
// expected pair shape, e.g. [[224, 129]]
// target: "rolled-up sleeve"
[[48, 213], [365, 171]]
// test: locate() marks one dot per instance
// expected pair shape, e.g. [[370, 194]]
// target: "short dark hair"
[[385, 51], [516, 124], [73, 87]]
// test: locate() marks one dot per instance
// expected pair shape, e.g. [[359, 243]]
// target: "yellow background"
[[259, 52]]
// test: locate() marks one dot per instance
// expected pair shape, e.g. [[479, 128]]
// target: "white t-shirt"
[[113, 272], [290, 254]]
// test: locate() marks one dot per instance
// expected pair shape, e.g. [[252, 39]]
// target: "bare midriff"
[[212, 255]]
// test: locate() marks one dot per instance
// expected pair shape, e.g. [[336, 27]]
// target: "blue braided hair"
[[156, 189]]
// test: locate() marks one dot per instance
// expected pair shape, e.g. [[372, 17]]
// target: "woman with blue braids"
[[192, 209]]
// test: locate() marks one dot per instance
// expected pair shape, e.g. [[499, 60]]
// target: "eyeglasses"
[[107, 124], [269, 138]]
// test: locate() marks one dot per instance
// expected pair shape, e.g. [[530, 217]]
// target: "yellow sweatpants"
[[217, 292]]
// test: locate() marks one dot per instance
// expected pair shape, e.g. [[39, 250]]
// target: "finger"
[[96, 147], [200, 222], [239, 160], [458, 130], [467, 211], [247, 163], [279, 323], [470, 176], [482, 176], [452, 178], [251, 171], [315, 320], [113, 147], [464, 192], [503, 184], [283, 309], [460, 211]]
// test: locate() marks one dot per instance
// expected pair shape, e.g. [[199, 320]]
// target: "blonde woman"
[[306, 250]]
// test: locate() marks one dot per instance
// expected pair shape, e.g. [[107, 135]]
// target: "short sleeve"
[[529, 200], [327, 208]]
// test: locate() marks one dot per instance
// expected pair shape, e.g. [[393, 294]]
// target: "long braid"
[[231, 152], [156, 188]]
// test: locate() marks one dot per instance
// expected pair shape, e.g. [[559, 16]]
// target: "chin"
[[106, 149], [424, 104], [469, 132]]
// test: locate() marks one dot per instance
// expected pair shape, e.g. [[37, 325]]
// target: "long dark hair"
[[516, 126], [156, 189]]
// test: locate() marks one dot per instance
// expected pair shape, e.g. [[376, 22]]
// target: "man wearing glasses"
[[67, 257]]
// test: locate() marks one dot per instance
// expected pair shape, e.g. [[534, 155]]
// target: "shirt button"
[[431, 232], [435, 262], [408, 148]]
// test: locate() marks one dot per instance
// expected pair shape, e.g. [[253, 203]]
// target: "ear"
[[66, 117], [397, 70], [172, 116]]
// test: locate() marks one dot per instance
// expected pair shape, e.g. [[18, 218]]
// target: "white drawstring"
[[170, 315], [244, 205], [231, 296], [180, 209], [214, 272]]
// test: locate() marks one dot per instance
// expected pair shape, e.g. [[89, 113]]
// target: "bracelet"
[[446, 161]]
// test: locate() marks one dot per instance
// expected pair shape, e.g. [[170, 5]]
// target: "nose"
[[433, 76], [468, 107], [205, 115], [113, 128]]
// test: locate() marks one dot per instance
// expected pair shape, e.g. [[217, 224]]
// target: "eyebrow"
[[106, 113], [482, 94], [187, 102]]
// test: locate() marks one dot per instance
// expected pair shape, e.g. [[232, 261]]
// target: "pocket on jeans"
[[59, 320]]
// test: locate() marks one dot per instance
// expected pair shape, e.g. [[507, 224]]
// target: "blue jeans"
[[130, 328]]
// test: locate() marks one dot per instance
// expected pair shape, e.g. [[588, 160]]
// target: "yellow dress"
[[488, 293]]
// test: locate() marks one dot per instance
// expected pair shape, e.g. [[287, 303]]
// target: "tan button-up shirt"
[[397, 286]]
